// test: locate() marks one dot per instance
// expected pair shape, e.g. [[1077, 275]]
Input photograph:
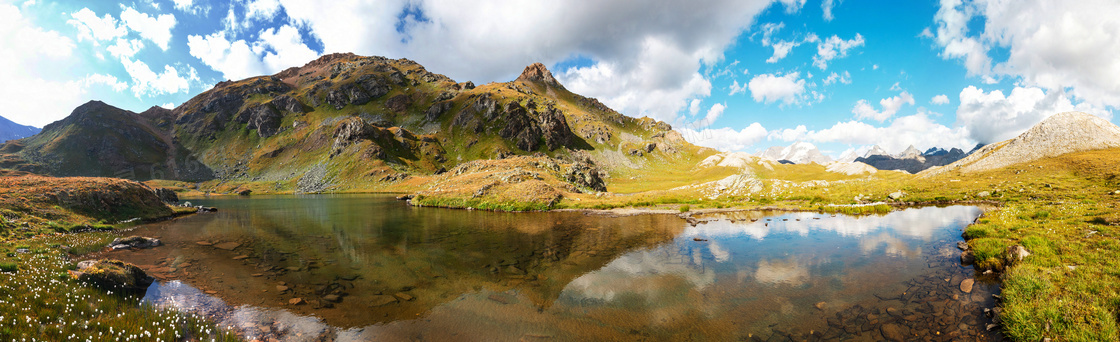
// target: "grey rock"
[[983, 194], [137, 242], [896, 195]]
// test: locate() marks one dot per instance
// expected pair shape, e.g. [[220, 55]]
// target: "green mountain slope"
[[349, 123]]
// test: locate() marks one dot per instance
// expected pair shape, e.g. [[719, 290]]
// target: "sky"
[[735, 75]]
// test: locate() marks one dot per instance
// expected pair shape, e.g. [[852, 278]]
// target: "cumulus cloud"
[[1058, 46], [726, 138], [106, 80], [890, 105], [834, 47], [93, 28], [939, 99], [146, 82], [918, 130], [992, 117], [125, 48], [275, 50], [157, 29], [769, 88], [714, 113]]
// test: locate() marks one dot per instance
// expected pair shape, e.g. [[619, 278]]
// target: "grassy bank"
[[39, 237]]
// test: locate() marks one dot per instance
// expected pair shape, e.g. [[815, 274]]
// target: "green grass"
[[54, 307]]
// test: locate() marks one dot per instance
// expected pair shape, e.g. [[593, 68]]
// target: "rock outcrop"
[[112, 275]]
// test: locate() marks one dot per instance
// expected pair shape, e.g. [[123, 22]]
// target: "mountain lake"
[[369, 267]]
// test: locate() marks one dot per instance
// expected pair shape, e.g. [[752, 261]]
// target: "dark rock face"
[[555, 128], [112, 275], [436, 110], [167, 195], [262, 118], [584, 173], [519, 128], [288, 104], [375, 87], [349, 131], [348, 94]]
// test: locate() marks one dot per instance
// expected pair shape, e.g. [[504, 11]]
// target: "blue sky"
[[730, 74]]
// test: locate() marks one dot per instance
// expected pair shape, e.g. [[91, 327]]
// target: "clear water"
[[367, 267]]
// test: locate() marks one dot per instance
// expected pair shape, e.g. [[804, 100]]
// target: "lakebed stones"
[[134, 242], [966, 285], [112, 275]]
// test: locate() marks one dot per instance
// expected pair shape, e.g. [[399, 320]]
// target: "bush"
[[685, 208], [8, 267]]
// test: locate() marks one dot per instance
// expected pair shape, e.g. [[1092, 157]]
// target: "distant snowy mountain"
[[848, 157], [875, 151], [11, 131], [797, 153], [910, 153]]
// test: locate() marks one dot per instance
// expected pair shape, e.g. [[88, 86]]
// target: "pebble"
[[281, 288], [241, 257], [296, 301], [403, 296]]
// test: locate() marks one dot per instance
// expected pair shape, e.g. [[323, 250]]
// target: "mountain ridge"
[[10, 130]]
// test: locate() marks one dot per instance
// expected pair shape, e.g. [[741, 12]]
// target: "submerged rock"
[[112, 274], [966, 285], [137, 242]]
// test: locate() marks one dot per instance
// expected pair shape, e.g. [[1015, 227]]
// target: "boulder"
[[245, 192], [112, 275], [983, 194], [167, 195], [584, 174], [1016, 254], [967, 258], [896, 195], [287, 103], [137, 242]]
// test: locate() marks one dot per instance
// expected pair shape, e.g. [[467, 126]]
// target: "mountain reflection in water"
[[361, 267]]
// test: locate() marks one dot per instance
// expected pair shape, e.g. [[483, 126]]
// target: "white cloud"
[[107, 80], [939, 99], [725, 139], [646, 57], [890, 105], [834, 47], [845, 78], [260, 10], [235, 60], [792, 6], [95, 29], [31, 56], [146, 82], [781, 49], [289, 47], [992, 117], [1058, 46], [694, 107], [169, 105], [125, 48], [768, 88], [737, 88], [827, 6], [156, 29], [918, 130], [714, 113]]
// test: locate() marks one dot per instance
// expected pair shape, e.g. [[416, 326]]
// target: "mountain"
[[912, 160], [875, 151], [11, 131], [345, 121], [910, 153], [797, 153], [848, 156], [1057, 135]]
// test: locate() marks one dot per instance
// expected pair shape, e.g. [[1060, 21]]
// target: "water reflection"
[[368, 267]]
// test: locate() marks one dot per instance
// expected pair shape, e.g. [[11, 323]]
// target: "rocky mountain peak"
[[910, 152], [538, 73], [875, 151]]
